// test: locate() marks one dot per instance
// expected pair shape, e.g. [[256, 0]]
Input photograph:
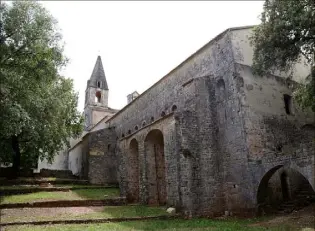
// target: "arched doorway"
[[133, 172], [155, 161], [284, 189]]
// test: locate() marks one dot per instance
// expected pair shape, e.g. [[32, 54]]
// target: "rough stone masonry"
[[209, 138]]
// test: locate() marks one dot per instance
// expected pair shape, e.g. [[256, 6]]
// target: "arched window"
[[221, 85], [123, 135], [163, 114], [174, 108], [99, 84], [98, 97], [287, 103], [152, 119], [129, 131], [136, 128], [143, 123]]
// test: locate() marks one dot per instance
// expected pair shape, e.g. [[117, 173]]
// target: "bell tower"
[[96, 96]]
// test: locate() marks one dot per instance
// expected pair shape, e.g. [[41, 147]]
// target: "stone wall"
[[60, 161], [101, 157], [273, 137], [225, 132], [205, 136], [75, 159]]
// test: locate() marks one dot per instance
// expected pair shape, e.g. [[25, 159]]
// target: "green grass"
[[10, 187], [166, 225], [17, 215], [31, 178], [74, 186], [76, 194], [97, 194], [70, 186]]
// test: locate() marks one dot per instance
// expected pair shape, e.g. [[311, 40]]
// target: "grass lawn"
[[169, 225], [70, 186], [30, 178], [76, 194], [74, 186], [70, 213]]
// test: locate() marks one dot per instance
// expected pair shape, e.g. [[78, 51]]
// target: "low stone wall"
[[65, 174]]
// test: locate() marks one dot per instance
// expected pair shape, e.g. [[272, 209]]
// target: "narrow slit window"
[[98, 84], [287, 103]]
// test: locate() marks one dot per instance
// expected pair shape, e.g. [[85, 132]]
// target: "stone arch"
[[282, 184], [155, 162], [133, 172], [308, 127]]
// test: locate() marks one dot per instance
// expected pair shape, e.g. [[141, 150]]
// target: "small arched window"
[[108, 147], [163, 114], [221, 84], [287, 103], [123, 135], [143, 123], [98, 97], [136, 128], [99, 84], [129, 131], [152, 119], [174, 108]]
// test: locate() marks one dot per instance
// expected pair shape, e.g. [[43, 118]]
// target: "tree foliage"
[[38, 106], [285, 36]]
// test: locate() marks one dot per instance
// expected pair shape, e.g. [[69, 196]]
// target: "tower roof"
[[98, 74]]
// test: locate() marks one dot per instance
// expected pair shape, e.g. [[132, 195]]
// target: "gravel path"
[[31, 214]]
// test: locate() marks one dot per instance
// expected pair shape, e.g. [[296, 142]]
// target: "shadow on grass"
[[97, 194], [169, 225]]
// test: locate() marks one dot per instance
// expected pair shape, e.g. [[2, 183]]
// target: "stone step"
[[86, 221], [13, 191], [68, 203]]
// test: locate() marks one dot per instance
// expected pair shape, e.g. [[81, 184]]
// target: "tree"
[[285, 35], [38, 106]]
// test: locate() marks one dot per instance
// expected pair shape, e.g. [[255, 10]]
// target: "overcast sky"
[[140, 42]]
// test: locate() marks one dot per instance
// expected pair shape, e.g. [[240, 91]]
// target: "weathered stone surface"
[[171, 210], [228, 130], [101, 157], [207, 137]]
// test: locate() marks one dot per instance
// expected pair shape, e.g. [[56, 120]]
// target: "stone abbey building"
[[207, 138]]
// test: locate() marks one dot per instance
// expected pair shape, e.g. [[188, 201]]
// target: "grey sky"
[[141, 41]]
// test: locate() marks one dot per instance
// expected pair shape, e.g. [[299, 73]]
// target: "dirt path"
[[35, 214], [297, 220]]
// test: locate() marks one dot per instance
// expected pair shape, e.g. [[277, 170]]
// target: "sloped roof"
[[98, 73]]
